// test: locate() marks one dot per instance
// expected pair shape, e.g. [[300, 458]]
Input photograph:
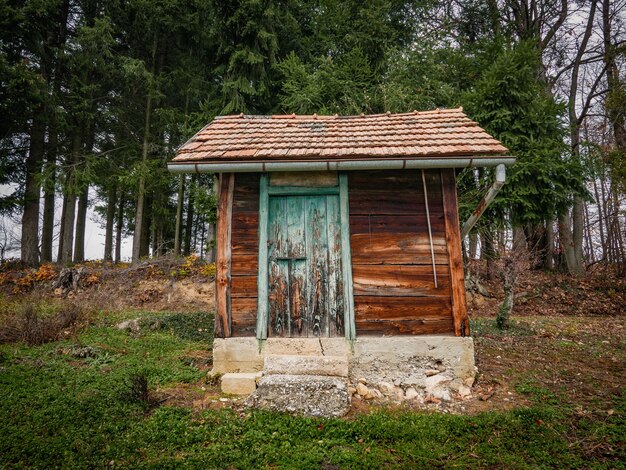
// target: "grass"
[[75, 404]]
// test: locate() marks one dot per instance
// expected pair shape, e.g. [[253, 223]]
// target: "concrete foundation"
[[248, 354], [387, 368]]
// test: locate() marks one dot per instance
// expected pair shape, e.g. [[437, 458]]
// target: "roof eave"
[[338, 165]]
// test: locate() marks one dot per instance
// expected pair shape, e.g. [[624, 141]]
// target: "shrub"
[[136, 389]]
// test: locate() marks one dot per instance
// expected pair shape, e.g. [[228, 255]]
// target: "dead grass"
[[33, 327]]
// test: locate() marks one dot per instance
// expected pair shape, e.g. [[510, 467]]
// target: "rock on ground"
[[129, 325], [308, 395]]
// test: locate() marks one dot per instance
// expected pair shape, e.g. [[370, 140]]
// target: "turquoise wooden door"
[[305, 291]]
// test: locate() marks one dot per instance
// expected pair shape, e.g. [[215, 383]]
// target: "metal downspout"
[[485, 201]]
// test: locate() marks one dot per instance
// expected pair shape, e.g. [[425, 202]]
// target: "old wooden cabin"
[[342, 228]]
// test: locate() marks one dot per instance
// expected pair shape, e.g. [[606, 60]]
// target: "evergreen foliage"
[[512, 104], [98, 95]]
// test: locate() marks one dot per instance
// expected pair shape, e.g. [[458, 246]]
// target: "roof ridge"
[[316, 116]]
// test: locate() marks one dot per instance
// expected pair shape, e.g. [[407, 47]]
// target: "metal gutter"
[[485, 201], [396, 164]]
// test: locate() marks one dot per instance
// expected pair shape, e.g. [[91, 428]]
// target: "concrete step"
[[240, 383], [332, 366], [309, 395]]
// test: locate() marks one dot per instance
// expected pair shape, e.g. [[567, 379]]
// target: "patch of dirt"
[[198, 396], [599, 293], [567, 342], [174, 295], [166, 284]]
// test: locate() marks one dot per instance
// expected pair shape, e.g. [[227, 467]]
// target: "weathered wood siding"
[[394, 289], [244, 254]]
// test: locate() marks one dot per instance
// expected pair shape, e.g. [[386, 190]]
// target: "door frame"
[[346, 256]]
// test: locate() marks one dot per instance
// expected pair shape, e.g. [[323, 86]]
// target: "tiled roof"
[[439, 133]]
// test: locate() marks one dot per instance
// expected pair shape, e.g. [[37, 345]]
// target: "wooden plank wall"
[[394, 291], [244, 253]]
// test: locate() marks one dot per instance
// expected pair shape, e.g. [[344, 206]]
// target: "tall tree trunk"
[[617, 117], [139, 236], [567, 243], [47, 230], [488, 252], [211, 243], [161, 240], [619, 237], [196, 227], [600, 218], [473, 244], [591, 253], [549, 258], [154, 225], [81, 224], [30, 216], [575, 262], [179, 214], [189, 220], [70, 197], [144, 243], [615, 86], [578, 217], [62, 228], [47, 227], [212, 231], [83, 198], [119, 226], [202, 234], [519, 239], [108, 231]]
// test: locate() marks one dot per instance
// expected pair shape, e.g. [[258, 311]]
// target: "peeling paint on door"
[[305, 294]]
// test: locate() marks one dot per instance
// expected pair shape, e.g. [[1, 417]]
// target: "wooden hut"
[[339, 226]]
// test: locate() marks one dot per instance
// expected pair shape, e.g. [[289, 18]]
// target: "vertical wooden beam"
[[262, 306], [346, 258], [453, 241], [222, 278]]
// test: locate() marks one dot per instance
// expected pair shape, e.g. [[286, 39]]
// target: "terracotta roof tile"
[[441, 132]]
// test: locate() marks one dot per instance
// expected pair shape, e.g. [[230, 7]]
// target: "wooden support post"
[[262, 306], [453, 241], [346, 258], [222, 278]]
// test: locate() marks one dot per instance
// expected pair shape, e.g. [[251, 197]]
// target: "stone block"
[[307, 395], [236, 355], [306, 347], [334, 366], [242, 383]]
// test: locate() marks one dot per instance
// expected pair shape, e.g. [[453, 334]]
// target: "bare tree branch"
[[555, 27]]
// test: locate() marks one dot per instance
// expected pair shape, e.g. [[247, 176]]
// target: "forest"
[[95, 98]]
